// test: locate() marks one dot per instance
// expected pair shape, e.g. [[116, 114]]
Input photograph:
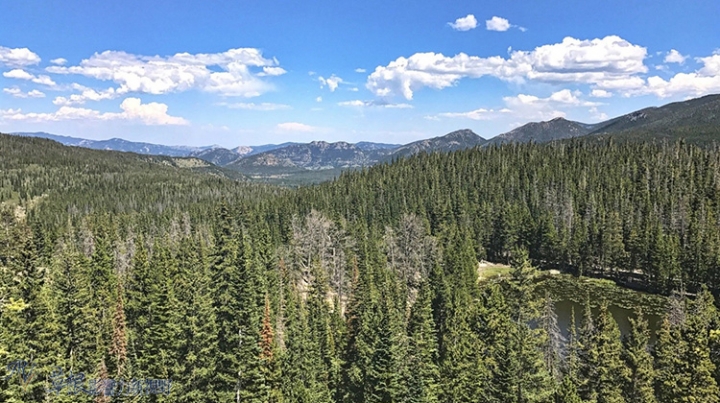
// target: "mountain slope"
[[218, 156], [542, 132], [457, 140], [316, 155], [117, 144], [704, 111]]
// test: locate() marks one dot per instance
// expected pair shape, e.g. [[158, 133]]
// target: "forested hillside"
[[124, 268]]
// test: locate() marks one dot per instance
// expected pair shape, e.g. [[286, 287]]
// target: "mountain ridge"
[[697, 119]]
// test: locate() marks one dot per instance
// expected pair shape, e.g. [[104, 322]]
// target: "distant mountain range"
[[697, 120]]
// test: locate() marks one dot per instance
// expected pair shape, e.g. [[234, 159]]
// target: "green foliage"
[[119, 265]]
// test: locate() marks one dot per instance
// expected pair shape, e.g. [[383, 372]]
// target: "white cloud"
[[21, 74], [296, 127], [153, 113], [272, 71], [44, 80], [318, 99], [133, 110], [87, 94], [180, 72], [597, 115], [607, 63], [354, 89], [701, 82], [477, 114], [18, 93], [464, 23], [711, 65], [332, 82], [600, 93], [59, 61], [18, 57], [497, 24], [673, 56], [265, 106], [360, 70], [379, 104], [356, 102], [526, 107]]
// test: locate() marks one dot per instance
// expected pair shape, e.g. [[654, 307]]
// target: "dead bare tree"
[[318, 240], [410, 251]]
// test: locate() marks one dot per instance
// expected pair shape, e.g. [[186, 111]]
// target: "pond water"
[[571, 293], [564, 308]]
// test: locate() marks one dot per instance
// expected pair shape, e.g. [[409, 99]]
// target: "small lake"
[[570, 293], [564, 308]]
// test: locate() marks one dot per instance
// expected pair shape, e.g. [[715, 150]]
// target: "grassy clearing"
[[488, 270]]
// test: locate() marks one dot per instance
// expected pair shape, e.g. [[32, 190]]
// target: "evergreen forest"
[[130, 278]]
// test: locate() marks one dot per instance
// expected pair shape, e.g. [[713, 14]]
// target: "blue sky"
[[256, 72]]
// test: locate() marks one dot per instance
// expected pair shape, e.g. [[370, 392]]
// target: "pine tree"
[[638, 385], [587, 354], [610, 369], [424, 374], [301, 366], [702, 386], [195, 376], [554, 339], [385, 372], [268, 357], [671, 380], [567, 392]]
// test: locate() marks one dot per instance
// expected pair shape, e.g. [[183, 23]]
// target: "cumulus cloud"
[[701, 82], [36, 94], [272, 71], [318, 99], [332, 82], [607, 63], [360, 70], [59, 61], [497, 24], [133, 110], [18, 57], [180, 72], [673, 56], [296, 127], [21, 74], [376, 103], [600, 93], [464, 23], [18, 93], [87, 94], [526, 107], [251, 106]]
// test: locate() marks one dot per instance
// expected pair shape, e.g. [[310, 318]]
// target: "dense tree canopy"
[[121, 267]]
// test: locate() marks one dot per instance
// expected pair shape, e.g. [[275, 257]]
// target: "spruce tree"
[[696, 332], [671, 379], [610, 369], [424, 374], [638, 385]]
